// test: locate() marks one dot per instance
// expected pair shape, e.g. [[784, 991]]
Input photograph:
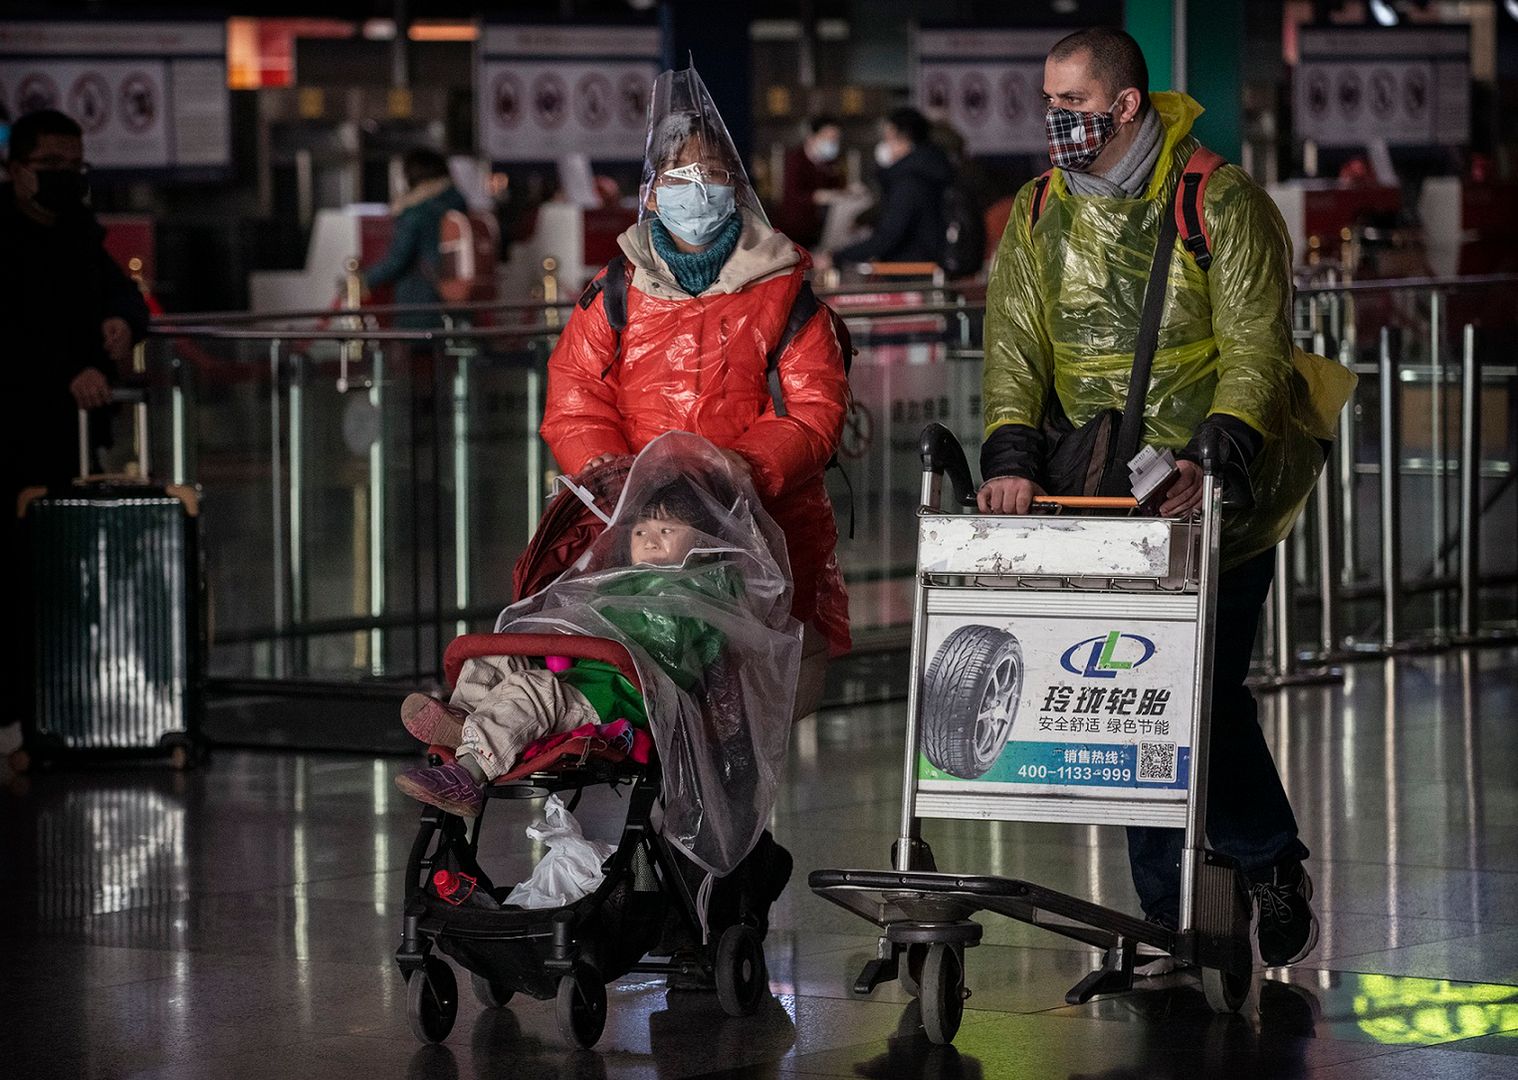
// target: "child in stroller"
[[501, 704], [677, 616]]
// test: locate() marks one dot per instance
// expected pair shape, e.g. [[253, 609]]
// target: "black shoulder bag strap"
[[613, 284], [803, 308], [1130, 432]]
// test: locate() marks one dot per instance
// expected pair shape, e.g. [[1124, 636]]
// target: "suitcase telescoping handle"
[[120, 395]]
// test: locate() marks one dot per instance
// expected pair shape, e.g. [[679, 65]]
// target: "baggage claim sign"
[[149, 95]]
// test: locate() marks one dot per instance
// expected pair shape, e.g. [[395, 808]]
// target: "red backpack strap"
[[1190, 195], [1040, 196]]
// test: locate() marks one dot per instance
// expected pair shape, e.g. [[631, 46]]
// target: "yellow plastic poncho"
[[1063, 308]]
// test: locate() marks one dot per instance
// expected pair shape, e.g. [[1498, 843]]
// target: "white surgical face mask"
[[885, 157], [696, 213], [825, 151]]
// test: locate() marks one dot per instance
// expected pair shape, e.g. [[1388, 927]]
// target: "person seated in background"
[[413, 260], [812, 174], [914, 175]]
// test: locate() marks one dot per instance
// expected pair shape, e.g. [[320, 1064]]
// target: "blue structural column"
[[720, 47], [1210, 60]]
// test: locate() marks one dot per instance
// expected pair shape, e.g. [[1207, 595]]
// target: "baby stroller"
[[654, 910]]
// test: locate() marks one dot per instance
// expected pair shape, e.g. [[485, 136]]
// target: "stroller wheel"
[[432, 1000], [488, 993], [581, 1008], [742, 979], [942, 993]]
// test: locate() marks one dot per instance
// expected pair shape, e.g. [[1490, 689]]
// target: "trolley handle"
[[941, 453], [1209, 451]]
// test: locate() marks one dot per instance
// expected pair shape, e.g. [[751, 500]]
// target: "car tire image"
[[970, 699]]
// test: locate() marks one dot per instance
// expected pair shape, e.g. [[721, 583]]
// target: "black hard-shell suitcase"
[[115, 603]]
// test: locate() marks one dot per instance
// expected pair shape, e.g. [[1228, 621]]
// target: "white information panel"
[[148, 95], [547, 91], [988, 84], [1403, 86], [1052, 697]]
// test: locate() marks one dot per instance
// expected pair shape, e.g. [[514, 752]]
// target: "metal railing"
[[367, 490]]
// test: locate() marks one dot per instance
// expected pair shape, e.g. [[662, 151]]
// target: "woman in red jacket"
[[710, 291]]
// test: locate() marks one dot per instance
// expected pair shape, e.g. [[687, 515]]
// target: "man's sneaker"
[[448, 787], [1151, 961], [1286, 928], [434, 722]]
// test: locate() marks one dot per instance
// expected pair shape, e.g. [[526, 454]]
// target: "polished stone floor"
[[239, 920]]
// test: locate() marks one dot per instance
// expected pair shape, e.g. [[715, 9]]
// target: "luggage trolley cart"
[[1061, 672]]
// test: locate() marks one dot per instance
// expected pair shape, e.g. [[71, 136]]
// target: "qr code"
[[1157, 762]]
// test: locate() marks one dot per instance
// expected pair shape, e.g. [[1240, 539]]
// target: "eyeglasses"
[[50, 163], [695, 173]]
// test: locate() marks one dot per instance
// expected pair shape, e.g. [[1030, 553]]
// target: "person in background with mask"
[[71, 317], [1062, 321], [914, 174], [812, 175], [71, 314], [413, 259]]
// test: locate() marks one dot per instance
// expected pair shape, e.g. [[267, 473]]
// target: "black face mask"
[[61, 190]]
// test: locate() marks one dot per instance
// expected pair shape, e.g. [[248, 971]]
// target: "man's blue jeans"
[[1248, 815]]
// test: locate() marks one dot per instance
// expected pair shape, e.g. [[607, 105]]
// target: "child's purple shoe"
[[448, 787]]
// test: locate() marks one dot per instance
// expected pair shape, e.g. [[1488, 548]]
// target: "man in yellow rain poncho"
[[1062, 324]]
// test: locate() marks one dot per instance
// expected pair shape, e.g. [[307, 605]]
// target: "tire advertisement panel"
[[1057, 705], [544, 92], [147, 95], [988, 84], [1407, 87]]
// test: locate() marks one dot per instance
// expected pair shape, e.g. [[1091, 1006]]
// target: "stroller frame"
[[731, 961], [1098, 567]]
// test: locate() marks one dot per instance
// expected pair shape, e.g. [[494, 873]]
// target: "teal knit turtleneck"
[[695, 271]]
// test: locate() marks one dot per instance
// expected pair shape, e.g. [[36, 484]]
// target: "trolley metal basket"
[[1061, 672]]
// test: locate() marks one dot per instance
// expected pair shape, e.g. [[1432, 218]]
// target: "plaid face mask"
[[1076, 138]]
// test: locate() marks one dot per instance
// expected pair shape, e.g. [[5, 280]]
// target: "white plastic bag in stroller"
[[572, 867]]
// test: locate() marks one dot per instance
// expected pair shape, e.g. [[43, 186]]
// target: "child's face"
[[662, 541]]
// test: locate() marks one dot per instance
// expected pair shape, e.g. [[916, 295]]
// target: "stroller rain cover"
[[706, 619]]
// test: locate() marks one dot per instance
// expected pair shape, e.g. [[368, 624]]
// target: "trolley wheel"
[[488, 993], [20, 762], [432, 1000], [581, 1007], [942, 993], [970, 699], [909, 968], [1225, 991], [742, 978]]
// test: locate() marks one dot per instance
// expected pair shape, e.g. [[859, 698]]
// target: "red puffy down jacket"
[[698, 364]]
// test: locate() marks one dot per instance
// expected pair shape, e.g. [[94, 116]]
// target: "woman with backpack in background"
[[705, 324], [414, 259]]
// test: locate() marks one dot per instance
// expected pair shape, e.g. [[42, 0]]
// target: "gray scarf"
[[1128, 178]]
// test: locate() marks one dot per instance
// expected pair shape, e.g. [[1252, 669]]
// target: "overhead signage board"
[[547, 91], [988, 84], [149, 95], [1406, 86]]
